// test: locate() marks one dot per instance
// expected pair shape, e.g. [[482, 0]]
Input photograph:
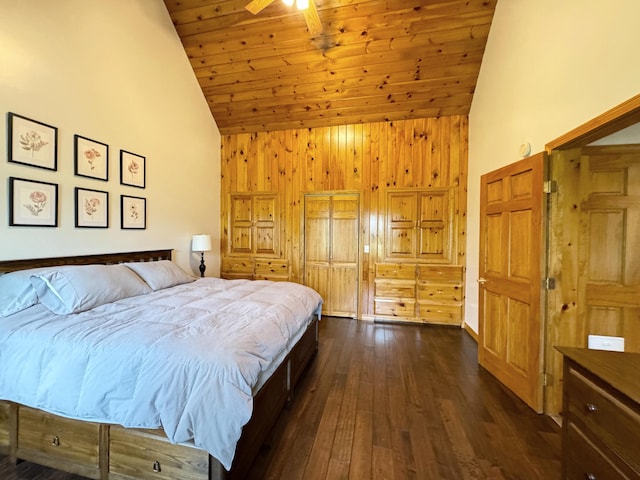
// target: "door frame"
[[563, 149]]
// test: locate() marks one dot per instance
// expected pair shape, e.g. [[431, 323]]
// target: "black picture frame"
[[133, 212], [32, 203], [92, 208], [30, 142], [133, 169], [91, 158]]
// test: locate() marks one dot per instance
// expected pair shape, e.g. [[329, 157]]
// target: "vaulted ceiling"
[[376, 60]]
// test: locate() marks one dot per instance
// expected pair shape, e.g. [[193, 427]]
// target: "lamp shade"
[[201, 243]]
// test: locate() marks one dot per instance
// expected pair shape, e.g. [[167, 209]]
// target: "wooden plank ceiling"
[[376, 60]]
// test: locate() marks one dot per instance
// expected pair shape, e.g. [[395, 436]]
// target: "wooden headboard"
[[105, 258]]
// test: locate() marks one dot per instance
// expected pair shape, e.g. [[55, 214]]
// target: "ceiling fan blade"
[[256, 6], [312, 18]]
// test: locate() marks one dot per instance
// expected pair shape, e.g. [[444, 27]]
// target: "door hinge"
[[550, 186], [549, 283], [546, 379]]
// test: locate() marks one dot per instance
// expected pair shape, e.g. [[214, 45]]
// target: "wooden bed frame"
[[110, 452]]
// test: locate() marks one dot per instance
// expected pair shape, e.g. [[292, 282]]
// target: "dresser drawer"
[[586, 461], [4, 427], [58, 442], [147, 454], [608, 418]]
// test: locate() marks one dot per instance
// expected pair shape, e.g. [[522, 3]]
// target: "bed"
[[125, 367]]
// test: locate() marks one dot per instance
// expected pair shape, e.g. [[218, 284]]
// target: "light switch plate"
[[601, 342]]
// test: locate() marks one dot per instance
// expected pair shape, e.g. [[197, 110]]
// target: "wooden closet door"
[[331, 251], [510, 332], [317, 246]]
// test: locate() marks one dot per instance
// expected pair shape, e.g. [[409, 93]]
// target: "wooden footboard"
[[109, 452]]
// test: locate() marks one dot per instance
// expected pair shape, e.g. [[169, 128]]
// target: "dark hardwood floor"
[[383, 401]]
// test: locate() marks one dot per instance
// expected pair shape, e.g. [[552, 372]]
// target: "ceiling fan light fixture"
[[288, 3], [302, 4]]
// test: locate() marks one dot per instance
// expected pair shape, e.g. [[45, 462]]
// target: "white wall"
[[114, 71], [549, 66]]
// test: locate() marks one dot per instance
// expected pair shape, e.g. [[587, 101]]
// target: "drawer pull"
[[591, 476], [590, 408], [156, 467], [55, 441]]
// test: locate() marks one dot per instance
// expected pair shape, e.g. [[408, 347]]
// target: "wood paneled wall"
[[364, 158]]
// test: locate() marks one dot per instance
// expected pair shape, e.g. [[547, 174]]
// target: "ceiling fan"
[[308, 8]]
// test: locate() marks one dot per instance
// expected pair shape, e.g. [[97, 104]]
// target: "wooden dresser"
[[601, 415]]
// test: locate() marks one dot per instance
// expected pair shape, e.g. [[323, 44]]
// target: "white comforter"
[[185, 358]]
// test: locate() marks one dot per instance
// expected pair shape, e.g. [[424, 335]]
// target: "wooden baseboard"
[[470, 331]]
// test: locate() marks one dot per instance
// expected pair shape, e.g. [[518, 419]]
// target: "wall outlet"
[[600, 342]]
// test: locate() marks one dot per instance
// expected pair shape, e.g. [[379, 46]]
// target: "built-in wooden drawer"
[[4, 427], [147, 454], [395, 307], [605, 417], [444, 314], [271, 270], [397, 271], [255, 268], [395, 288], [235, 268], [58, 442], [439, 293], [441, 273], [586, 461]]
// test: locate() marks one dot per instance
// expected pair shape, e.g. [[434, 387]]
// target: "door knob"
[[482, 281]]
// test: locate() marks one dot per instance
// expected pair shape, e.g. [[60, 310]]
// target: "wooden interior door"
[[331, 251], [609, 248], [511, 259]]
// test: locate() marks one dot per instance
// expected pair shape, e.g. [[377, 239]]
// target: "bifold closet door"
[[331, 251]]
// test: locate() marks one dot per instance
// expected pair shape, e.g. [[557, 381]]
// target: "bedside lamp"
[[201, 243]]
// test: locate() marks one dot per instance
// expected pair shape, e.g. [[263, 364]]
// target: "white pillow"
[[76, 288], [16, 291], [160, 274]]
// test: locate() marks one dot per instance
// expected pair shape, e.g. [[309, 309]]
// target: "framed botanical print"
[[32, 203], [31, 142], [133, 212], [92, 208], [91, 158], [132, 169]]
